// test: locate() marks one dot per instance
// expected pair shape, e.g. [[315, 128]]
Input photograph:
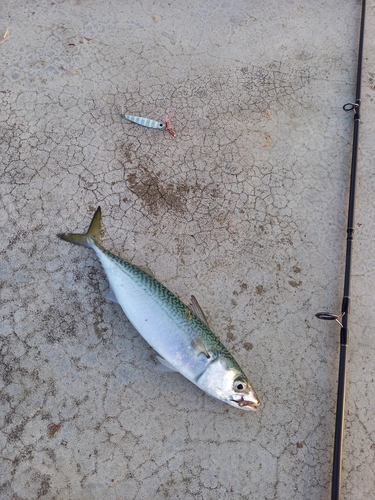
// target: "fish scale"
[[193, 327]]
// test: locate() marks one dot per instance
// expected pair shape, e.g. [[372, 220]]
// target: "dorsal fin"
[[147, 270], [197, 310]]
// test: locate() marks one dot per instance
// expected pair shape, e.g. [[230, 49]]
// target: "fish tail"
[[93, 232]]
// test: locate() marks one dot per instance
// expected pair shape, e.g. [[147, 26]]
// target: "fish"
[[179, 333]]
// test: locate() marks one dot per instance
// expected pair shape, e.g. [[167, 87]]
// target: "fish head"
[[227, 382], [243, 395]]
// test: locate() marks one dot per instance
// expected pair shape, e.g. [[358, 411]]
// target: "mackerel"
[[179, 333]]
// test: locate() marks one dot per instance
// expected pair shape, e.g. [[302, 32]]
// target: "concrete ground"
[[245, 208]]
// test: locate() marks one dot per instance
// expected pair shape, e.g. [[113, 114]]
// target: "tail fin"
[[92, 233]]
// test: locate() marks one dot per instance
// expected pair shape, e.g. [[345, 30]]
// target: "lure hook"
[[168, 116]]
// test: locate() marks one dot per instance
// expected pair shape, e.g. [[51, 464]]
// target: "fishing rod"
[[344, 316]]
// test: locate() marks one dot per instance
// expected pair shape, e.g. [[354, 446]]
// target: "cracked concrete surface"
[[245, 208]]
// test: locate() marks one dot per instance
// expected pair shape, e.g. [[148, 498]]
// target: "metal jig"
[[148, 122]]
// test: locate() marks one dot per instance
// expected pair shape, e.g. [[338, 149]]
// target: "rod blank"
[[344, 333]]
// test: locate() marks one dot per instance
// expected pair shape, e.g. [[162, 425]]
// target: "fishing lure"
[[148, 122]]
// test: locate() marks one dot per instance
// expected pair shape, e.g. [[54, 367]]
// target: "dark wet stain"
[[156, 194], [260, 289], [371, 79], [45, 486], [243, 287], [17, 431], [230, 336], [128, 157], [230, 328], [53, 428], [294, 283], [248, 346]]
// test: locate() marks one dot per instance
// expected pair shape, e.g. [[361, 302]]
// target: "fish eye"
[[239, 385], [160, 125]]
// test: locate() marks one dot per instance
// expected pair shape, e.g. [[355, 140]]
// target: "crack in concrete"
[[244, 208]]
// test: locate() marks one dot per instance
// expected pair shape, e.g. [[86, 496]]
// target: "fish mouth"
[[243, 403]]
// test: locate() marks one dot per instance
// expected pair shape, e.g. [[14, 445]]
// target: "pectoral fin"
[[164, 365], [200, 347], [197, 310], [111, 296]]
